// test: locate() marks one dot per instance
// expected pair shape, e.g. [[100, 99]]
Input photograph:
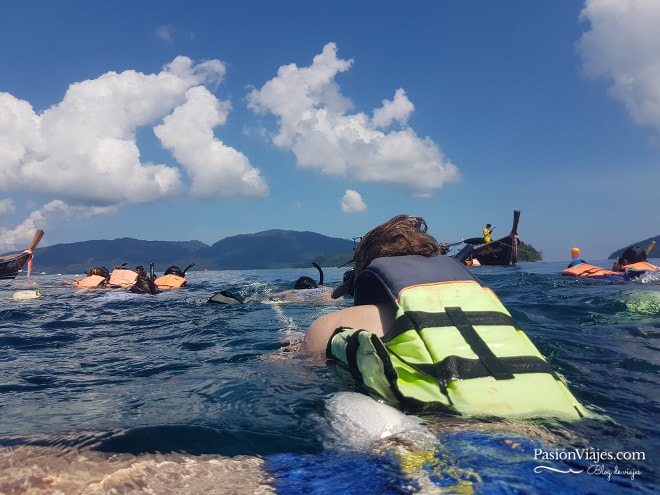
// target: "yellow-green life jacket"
[[453, 344]]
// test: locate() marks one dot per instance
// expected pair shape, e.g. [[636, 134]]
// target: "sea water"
[[107, 392]]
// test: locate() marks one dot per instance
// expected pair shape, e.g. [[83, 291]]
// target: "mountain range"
[[268, 249], [655, 252]]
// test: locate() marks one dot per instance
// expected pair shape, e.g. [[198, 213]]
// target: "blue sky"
[[173, 120]]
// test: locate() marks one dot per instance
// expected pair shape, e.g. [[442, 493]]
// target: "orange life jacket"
[[587, 270], [91, 282], [640, 266], [123, 278], [169, 281]]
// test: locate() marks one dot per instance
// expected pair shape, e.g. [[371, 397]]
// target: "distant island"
[[268, 249], [527, 252], [655, 253]]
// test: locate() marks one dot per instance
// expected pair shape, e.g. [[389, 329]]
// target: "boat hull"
[[11, 264], [502, 251]]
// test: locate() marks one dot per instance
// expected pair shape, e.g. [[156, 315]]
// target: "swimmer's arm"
[[368, 317], [319, 332]]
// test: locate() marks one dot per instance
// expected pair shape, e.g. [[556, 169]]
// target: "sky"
[[175, 120]]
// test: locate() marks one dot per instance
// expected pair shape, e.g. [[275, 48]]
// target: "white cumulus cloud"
[[315, 123], [623, 47], [352, 202], [84, 150], [54, 214], [216, 169]]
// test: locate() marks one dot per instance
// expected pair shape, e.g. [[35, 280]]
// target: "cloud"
[[315, 124], [84, 150], [165, 33], [6, 207], [352, 202], [622, 47], [55, 214], [216, 169], [397, 110]]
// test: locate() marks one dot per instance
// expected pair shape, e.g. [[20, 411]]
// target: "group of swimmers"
[[631, 264], [422, 329], [136, 281]]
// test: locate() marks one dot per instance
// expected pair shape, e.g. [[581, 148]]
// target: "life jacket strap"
[[593, 269], [464, 322], [494, 366], [459, 368], [454, 368], [421, 319]]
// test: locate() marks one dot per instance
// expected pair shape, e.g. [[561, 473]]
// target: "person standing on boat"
[[487, 232]]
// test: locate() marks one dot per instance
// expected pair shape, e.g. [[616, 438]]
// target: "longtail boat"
[[502, 251], [11, 264]]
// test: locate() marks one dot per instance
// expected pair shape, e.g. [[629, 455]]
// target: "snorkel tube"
[[320, 273], [152, 278]]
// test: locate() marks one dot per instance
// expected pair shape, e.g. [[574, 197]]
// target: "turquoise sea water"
[[107, 392]]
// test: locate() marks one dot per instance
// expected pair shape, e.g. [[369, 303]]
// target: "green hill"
[[655, 253], [269, 249]]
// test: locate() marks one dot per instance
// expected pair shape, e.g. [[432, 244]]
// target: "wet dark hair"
[[305, 283], [174, 270], [402, 235], [101, 271], [633, 254]]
